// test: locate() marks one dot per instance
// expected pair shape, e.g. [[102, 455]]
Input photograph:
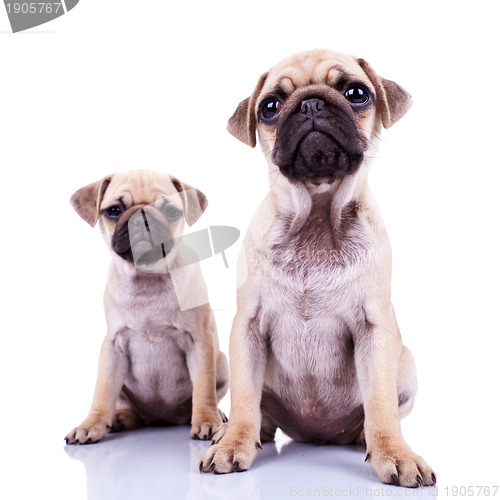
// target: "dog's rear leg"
[[125, 417], [267, 429], [222, 376], [407, 383], [125, 420], [407, 388], [222, 381]]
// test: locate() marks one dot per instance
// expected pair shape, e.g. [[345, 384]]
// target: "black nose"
[[311, 107]]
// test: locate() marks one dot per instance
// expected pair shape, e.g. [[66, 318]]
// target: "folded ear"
[[243, 123], [87, 200], [392, 100], [193, 200]]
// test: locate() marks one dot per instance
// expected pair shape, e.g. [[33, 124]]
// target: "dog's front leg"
[[206, 418], [236, 449], [113, 367], [378, 349]]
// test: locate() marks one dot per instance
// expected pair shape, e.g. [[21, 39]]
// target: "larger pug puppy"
[[158, 364], [315, 348]]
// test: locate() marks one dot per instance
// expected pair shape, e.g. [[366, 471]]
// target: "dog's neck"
[[180, 289], [301, 195], [128, 271]]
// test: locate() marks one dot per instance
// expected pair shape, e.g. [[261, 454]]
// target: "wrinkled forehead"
[[317, 66], [137, 187]]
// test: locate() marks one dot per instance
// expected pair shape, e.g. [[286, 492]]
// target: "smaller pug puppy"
[[158, 364]]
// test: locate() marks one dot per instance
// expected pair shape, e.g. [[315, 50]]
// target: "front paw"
[[398, 465], [206, 426], [230, 455], [88, 432]]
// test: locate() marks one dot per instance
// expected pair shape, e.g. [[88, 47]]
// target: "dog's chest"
[[315, 291], [156, 347], [157, 383], [147, 310], [156, 340], [145, 304], [318, 268], [317, 248]]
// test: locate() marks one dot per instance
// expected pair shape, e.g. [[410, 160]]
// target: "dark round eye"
[[172, 213], [270, 108], [113, 212], [356, 94]]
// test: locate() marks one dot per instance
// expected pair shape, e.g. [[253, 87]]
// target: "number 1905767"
[[471, 491], [33, 7]]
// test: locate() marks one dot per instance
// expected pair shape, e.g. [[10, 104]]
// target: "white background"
[[117, 85]]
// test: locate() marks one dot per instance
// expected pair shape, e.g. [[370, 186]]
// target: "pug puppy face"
[[141, 215], [317, 115]]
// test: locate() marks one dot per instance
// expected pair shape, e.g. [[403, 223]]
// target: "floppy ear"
[[244, 122], [193, 200], [87, 200], [392, 100]]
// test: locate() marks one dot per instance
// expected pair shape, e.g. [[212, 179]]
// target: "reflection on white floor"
[[162, 463]]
